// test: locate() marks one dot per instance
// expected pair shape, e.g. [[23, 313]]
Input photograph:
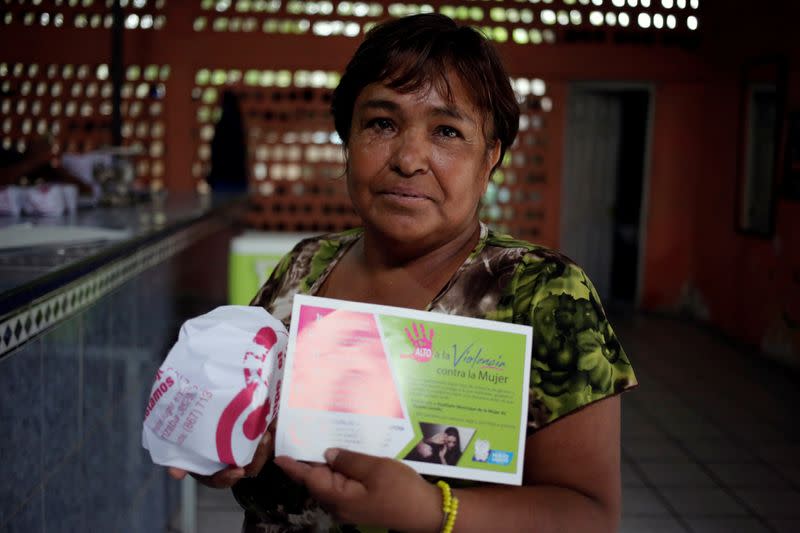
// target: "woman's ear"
[[493, 157], [346, 155], [494, 153]]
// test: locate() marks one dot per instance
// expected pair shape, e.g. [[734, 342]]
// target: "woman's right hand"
[[228, 477]]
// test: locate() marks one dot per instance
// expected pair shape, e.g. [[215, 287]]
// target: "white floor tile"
[[703, 502], [727, 525], [653, 450], [638, 501], [684, 474], [772, 503], [747, 475], [648, 524]]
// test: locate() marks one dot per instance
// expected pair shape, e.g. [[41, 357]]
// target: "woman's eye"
[[380, 124], [448, 131]]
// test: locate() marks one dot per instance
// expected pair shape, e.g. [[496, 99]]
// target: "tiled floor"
[[711, 439]]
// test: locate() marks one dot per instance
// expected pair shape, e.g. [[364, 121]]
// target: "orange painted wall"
[[696, 262]]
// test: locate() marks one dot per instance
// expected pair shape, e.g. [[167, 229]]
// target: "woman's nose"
[[412, 153]]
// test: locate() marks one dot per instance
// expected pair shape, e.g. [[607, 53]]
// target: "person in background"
[[426, 112], [35, 166], [228, 171]]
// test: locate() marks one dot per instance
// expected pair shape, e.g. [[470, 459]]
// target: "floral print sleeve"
[[577, 357], [302, 271]]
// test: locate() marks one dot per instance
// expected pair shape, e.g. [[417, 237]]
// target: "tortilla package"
[[217, 390]]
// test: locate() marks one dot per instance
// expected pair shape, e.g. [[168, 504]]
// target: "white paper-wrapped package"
[[217, 390]]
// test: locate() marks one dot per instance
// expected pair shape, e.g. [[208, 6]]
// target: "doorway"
[[604, 187]]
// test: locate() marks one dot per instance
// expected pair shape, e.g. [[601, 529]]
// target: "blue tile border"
[[26, 323]]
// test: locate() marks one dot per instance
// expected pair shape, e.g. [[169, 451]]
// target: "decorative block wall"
[[181, 56]]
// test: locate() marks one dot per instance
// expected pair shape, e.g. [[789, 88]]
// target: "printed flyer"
[[448, 395]]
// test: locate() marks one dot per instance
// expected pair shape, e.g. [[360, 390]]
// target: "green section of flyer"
[[463, 388]]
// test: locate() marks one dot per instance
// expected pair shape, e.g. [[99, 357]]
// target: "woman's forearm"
[[538, 509]]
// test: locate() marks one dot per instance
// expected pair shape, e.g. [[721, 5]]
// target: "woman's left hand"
[[367, 490]]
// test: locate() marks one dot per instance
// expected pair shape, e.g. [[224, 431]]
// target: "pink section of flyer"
[[340, 365]]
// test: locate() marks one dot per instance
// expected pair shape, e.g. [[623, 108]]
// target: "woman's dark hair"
[[452, 456], [415, 52]]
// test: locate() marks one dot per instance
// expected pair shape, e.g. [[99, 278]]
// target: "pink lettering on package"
[[256, 422], [186, 400], [158, 393], [191, 420], [266, 337], [171, 425]]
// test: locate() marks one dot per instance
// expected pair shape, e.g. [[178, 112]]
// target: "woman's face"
[[418, 164], [450, 441]]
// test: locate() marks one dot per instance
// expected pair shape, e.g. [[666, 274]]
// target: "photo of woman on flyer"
[[440, 445]]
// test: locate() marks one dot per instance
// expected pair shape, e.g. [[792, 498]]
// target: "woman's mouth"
[[404, 194]]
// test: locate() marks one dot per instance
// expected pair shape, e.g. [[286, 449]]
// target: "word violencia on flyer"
[[447, 395]]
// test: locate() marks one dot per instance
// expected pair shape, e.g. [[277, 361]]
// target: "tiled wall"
[[71, 404]]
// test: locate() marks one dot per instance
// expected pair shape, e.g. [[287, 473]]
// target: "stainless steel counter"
[[88, 253]]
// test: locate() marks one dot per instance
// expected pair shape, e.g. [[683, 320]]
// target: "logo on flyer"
[[484, 454], [421, 341], [499, 457], [482, 448]]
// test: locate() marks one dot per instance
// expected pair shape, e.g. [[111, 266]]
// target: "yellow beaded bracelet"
[[449, 507]]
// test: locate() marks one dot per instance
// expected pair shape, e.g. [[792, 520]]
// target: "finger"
[[264, 452], [422, 329], [339, 482], [329, 488], [333, 488], [296, 470], [353, 465], [176, 473], [416, 331], [268, 441]]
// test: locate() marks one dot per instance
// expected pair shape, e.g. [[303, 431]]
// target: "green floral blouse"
[[577, 358]]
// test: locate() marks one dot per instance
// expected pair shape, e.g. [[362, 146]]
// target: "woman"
[[426, 112], [442, 448]]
